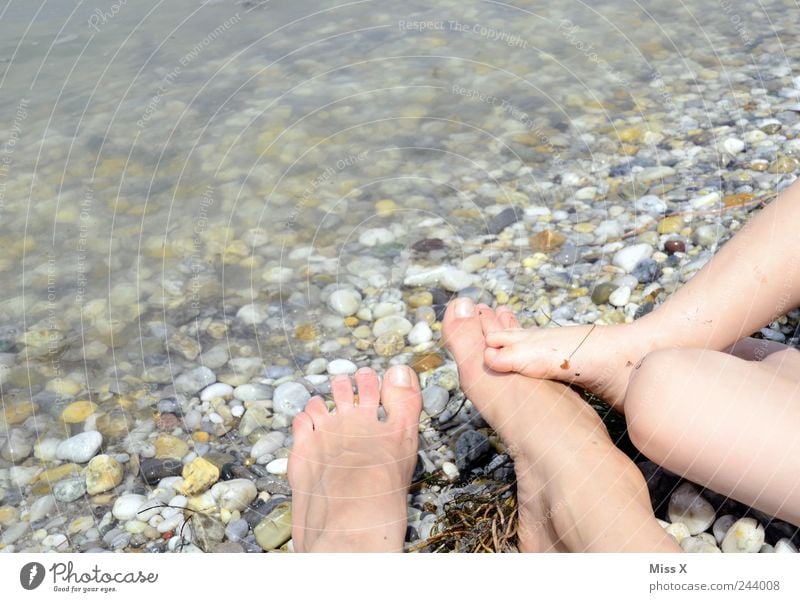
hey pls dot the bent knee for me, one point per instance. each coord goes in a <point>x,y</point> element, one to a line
<point>655,392</point>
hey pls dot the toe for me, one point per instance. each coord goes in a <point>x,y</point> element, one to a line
<point>368,388</point>
<point>489,320</point>
<point>505,338</point>
<point>499,360</point>
<point>400,395</point>
<point>463,335</point>
<point>316,410</point>
<point>507,318</point>
<point>342,389</point>
<point>302,427</point>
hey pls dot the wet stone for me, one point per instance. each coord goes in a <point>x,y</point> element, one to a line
<point>674,246</point>
<point>69,490</point>
<point>471,446</point>
<point>428,244</point>
<point>646,271</point>
<point>602,292</point>
<point>503,220</point>
<point>153,470</point>
<point>272,485</point>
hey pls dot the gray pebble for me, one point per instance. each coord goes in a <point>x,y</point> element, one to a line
<point>503,220</point>
<point>237,530</point>
<point>470,447</point>
<point>646,271</point>
<point>434,399</point>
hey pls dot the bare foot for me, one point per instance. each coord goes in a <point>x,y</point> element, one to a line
<point>349,471</point>
<point>576,490</point>
<point>599,358</point>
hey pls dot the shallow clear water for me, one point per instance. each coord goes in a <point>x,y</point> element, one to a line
<point>143,141</point>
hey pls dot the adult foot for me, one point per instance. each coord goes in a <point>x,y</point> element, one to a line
<point>576,491</point>
<point>350,471</point>
<point>598,358</point>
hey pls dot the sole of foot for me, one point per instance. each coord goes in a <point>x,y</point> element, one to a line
<point>573,484</point>
<point>349,470</point>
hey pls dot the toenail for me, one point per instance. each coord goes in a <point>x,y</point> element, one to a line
<point>400,376</point>
<point>465,308</point>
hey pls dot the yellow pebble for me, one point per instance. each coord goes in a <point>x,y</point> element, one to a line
<point>200,436</point>
<point>51,475</point>
<point>8,515</point>
<point>670,225</point>
<point>14,414</point>
<point>198,475</point>
<point>78,411</point>
<point>385,207</point>
<point>351,321</point>
<point>584,227</point>
<point>64,386</point>
<point>502,297</point>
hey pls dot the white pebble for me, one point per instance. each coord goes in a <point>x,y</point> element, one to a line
<point>279,466</point>
<point>317,366</point>
<point>216,390</point>
<point>679,531</point>
<point>745,535</point>
<point>473,263</point>
<point>345,302</point>
<point>41,508</point>
<point>785,546</point>
<point>237,411</point>
<point>376,236</point>
<point>253,313</point>
<point>234,494</point>
<point>387,308</point>
<point>620,296</point>
<point>455,280</point>
<point>698,545</point>
<point>687,506</point>
<point>170,524</point>
<point>705,200</point>
<point>267,444</point>
<point>290,398</point>
<point>628,257</point>
<point>393,324</point>
<point>55,540</point>
<point>126,506</point>
<point>421,333</point>
<point>450,470</point>
<point>650,203</point>
<point>45,450</point>
<point>341,366</point>
<point>733,146</point>
<point>81,448</point>
<point>721,526</point>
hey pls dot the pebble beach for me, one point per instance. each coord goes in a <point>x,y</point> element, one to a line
<point>208,211</point>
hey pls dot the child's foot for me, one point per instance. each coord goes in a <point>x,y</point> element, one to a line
<point>598,358</point>
<point>349,471</point>
<point>576,490</point>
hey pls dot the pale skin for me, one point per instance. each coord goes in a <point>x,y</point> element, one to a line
<point>350,472</point>
<point>699,399</point>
